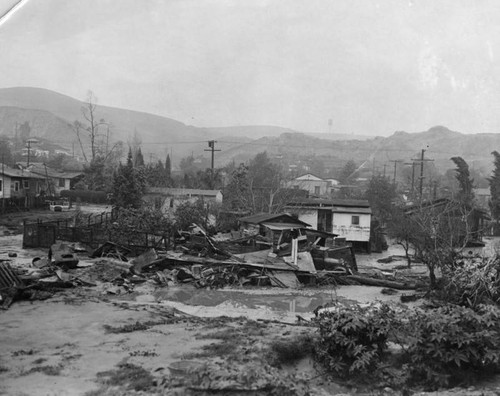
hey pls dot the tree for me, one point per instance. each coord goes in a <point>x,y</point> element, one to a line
<point>494,181</point>
<point>5,153</point>
<point>139,159</point>
<point>168,168</point>
<point>265,181</point>
<point>237,191</point>
<point>465,182</point>
<point>187,213</point>
<point>89,129</point>
<point>381,194</point>
<point>435,230</point>
<point>128,185</point>
<point>347,172</point>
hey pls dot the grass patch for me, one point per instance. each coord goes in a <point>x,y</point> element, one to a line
<point>128,375</point>
<point>290,350</point>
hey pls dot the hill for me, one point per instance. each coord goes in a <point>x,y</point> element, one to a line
<point>51,114</point>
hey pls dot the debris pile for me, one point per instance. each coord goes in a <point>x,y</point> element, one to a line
<point>277,260</point>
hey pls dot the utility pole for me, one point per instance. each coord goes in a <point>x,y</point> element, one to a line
<point>28,143</point>
<point>395,167</point>
<point>421,160</point>
<point>412,174</point>
<point>211,145</point>
<point>3,184</point>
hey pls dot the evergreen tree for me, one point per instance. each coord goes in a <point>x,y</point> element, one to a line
<point>465,182</point>
<point>495,188</point>
<point>128,185</point>
<point>381,194</point>
<point>347,172</point>
<point>168,169</point>
<point>139,159</point>
<point>237,192</point>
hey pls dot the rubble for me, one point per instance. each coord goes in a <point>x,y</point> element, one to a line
<point>286,257</point>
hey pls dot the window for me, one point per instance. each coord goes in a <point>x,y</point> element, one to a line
<point>1,186</point>
<point>316,190</point>
<point>15,186</point>
<point>355,220</point>
<point>61,182</point>
<point>26,184</point>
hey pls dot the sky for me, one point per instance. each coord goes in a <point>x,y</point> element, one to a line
<point>371,67</point>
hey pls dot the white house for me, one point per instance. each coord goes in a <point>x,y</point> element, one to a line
<point>169,198</point>
<point>313,184</point>
<point>348,218</point>
<point>17,183</point>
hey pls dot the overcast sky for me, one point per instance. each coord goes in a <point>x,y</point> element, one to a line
<point>373,67</point>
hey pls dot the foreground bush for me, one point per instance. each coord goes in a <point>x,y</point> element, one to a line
<point>353,340</point>
<point>432,348</point>
<point>452,345</point>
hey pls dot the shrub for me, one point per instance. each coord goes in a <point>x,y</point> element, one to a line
<point>353,340</point>
<point>451,345</point>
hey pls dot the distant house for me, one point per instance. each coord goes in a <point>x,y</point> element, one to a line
<point>470,223</point>
<point>168,199</point>
<point>17,183</point>
<point>348,218</point>
<point>313,184</point>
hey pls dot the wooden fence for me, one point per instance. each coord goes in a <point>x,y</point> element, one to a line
<point>93,232</point>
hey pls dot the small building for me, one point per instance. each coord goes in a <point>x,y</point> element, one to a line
<point>168,199</point>
<point>55,181</point>
<point>313,184</point>
<point>19,189</point>
<point>348,218</point>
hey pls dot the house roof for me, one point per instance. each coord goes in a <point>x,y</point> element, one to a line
<point>309,176</point>
<point>11,172</point>
<point>183,192</point>
<point>260,218</point>
<point>41,169</point>
<point>328,203</point>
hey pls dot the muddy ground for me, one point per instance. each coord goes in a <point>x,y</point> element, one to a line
<point>88,341</point>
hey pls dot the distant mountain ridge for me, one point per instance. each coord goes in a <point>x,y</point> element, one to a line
<point>51,114</point>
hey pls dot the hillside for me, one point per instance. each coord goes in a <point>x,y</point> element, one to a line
<point>51,114</point>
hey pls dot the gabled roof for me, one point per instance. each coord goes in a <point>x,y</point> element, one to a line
<point>260,218</point>
<point>11,172</point>
<point>41,169</point>
<point>309,176</point>
<point>183,192</point>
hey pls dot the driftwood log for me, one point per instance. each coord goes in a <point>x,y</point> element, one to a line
<point>364,280</point>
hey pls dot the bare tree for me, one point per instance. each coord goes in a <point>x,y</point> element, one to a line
<point>89,129</point>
